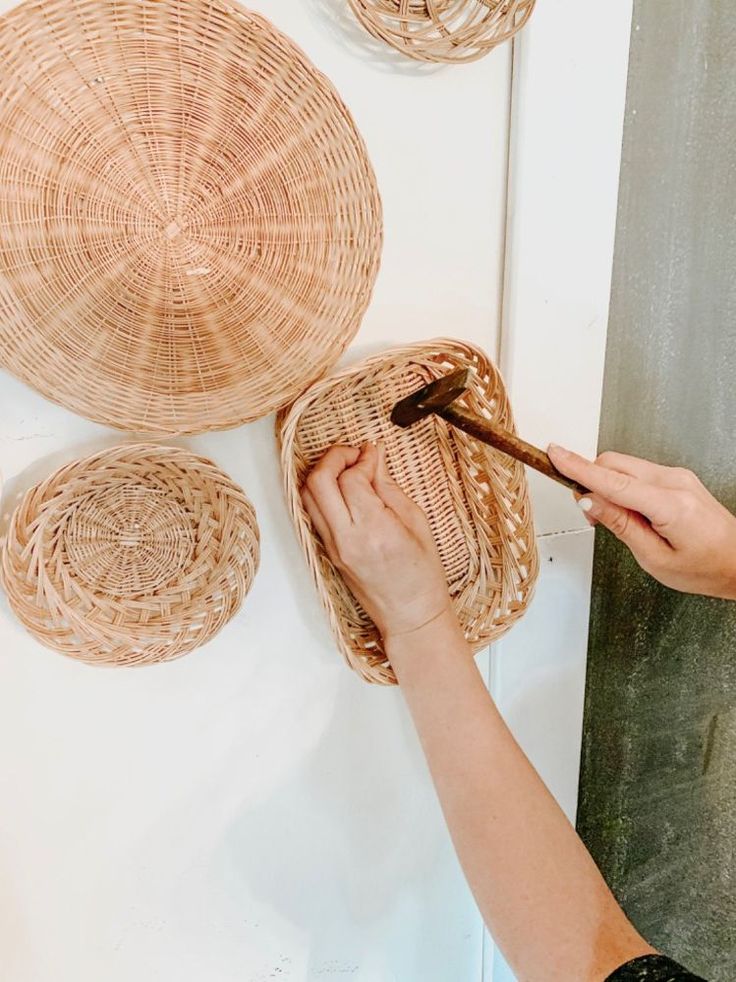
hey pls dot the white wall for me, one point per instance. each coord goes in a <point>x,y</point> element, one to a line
<point>253,811</point>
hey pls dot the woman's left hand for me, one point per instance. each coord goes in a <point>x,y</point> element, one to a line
<point>378,539</point>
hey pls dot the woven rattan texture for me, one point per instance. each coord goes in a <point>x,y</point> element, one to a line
<point>475,498</point>
<point>190,226</point>
<point>443,30</point>
<point>137,554</point>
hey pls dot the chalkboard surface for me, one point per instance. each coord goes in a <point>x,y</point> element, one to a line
<point>658,792</point>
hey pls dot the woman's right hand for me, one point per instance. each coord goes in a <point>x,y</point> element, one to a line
<point>675,528</point>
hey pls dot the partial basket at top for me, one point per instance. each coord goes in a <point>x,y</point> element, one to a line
<point>475,497</point>
<point>439,31</point>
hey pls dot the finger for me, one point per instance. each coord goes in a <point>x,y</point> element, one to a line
<point>368,461</point>
<point>318,521</point>
<point>356,486</point>
<point>323,486</point>
<point>634,531</point>
<point>392,495</point>
<point>619,488</point>
<point>646,470</point>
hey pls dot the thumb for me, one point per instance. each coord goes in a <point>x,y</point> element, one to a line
<point>367,462</point>
<point>628,526</point>
<point>386,488</point>
<point>389,491</point>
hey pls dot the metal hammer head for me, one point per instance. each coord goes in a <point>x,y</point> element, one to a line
<point>432,398</point>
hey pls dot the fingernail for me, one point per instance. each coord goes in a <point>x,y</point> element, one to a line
<point>555,448</point>
<point>586,505</point>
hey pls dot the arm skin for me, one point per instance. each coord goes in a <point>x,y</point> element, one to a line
<point>538,890</point>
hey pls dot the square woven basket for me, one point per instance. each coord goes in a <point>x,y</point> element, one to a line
<point>475,497</point>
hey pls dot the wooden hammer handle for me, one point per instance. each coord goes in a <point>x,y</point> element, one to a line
<point>509,444</point>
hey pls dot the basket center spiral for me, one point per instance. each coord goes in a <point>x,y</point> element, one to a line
<point>127,541</point>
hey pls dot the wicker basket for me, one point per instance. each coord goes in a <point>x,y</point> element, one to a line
<point>191,227</point>
<point>443,30</point>
<point>474,497</point>
<point>137,554</point>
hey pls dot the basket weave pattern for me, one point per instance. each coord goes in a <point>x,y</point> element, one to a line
<point>475,498</point>
<point>443,30</point>
<point>137,554</point>
<point>191,228</point>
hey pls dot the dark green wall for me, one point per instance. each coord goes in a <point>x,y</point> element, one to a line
<point>658,793</point>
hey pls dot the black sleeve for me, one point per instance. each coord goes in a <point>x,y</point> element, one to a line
<point>653,968</point>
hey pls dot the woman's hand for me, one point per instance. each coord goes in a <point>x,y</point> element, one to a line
<point>378,539</point>
<point>675,528</point>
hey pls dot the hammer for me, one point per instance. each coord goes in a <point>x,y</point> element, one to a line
<point>439,398</point>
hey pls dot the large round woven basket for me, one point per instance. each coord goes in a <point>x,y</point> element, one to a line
<point>191,227</point>
<point>137,554</point>
<point>475,497</point>
<point>443,30</point>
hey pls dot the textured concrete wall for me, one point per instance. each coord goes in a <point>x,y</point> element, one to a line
<point>658,795</point>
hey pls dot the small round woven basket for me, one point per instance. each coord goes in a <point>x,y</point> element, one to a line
<point>443,30</point>
<point>134,555</point>
<point>191,227</point>
<point>475,497</point>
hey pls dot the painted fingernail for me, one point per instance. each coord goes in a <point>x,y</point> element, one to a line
<point>586,505</point>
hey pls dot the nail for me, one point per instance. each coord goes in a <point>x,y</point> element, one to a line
<point>586,505</point>
<point>555,448</point>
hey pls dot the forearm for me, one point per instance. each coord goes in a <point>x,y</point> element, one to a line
<point>537,888</point>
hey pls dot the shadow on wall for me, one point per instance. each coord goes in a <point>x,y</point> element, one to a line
<point>324,860</point>
<point>342,811</point>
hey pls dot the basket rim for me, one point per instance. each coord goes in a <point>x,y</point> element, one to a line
<point>30,582</point>
<point>287,424</point>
